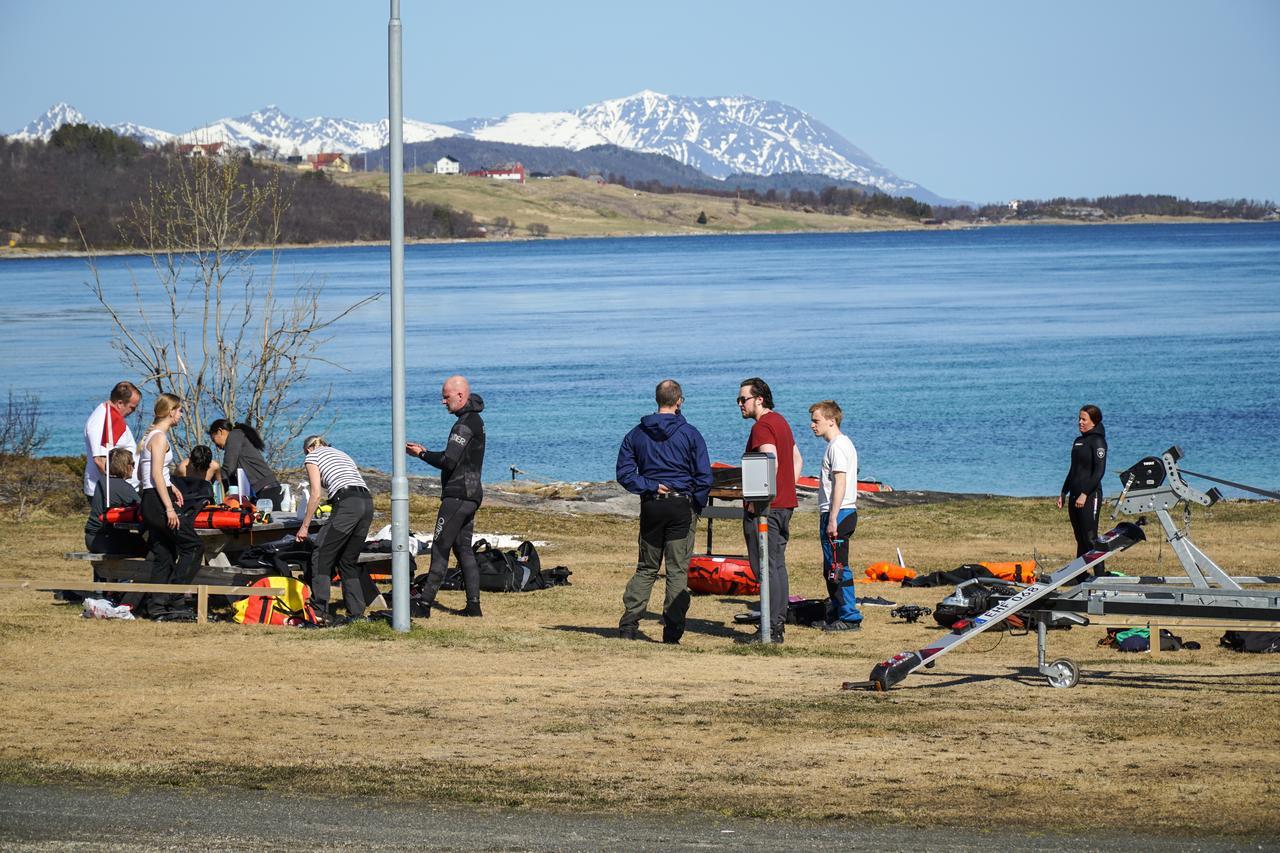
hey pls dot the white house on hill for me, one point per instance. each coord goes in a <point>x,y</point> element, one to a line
<point>446,165</point>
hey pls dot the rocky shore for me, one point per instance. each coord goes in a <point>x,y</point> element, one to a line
<point>587,498</point>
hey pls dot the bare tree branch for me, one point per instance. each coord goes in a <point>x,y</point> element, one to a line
<point>223,340</point>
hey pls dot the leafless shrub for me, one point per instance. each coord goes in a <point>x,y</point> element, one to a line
<point>226,340</point>
<point>20,432</point>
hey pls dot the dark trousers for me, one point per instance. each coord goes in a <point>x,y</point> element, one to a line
<point>341,541</point>
<point>666,534</point>
<point>452,535</point>
<point>779,533</point>
<point>1084,524</point>
<point>177,552</point>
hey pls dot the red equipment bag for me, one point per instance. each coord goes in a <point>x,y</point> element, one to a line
<point>127,514</point>
<point>711,575</point>
<point>217,517</point>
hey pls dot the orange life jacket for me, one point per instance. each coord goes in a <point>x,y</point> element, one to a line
<point>1018,572</point>
<point>889,572</point>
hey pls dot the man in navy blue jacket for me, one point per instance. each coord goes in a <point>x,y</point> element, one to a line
<point>664,461</point>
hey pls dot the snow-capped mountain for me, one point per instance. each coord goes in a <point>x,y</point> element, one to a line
<point>59,114</point>
<point>146,135</point>
<point>274,129</point>
<point>719,136</point>
<point>724,136</point>
<point>44,126</point>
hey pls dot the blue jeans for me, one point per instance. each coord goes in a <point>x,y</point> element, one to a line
<point>843,604</point>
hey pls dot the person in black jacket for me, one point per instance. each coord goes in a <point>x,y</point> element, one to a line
<point>460,465</point>
<point>1082,489</point>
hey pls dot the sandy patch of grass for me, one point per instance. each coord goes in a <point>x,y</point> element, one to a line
<point>538,706</point>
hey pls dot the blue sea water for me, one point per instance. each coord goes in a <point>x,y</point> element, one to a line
<point>960,357</point>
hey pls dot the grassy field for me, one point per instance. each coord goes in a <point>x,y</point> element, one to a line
<point>574,207</point>
<point>538,706</point>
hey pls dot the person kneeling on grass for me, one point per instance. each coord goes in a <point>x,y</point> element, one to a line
<point>837,515</point>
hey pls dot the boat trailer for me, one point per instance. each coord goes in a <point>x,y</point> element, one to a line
<point>1212,599</point>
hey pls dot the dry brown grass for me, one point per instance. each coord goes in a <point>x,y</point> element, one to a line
<point>537,706</point>
<point>574,207</point>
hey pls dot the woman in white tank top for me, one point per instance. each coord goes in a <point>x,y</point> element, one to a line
<point>174,542</point>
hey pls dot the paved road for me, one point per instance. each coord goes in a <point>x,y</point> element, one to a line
<point>179,819</point>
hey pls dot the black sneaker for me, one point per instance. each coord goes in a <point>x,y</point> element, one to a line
<point>472,609</point>
<point>840,625</point>
<point>670,637</point>
<point>628,632</point>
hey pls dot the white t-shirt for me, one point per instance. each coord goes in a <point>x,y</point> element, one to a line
<point>840,456</point>
<point>93,446</point>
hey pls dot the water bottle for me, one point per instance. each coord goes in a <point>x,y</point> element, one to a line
<point>286,499</point>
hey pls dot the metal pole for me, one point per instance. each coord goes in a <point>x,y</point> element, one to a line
<point>399,482</point>
<point>762,531</point>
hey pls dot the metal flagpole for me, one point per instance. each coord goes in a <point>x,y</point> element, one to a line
<point>399,482</point>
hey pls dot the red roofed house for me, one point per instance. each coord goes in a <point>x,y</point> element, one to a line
<point>512,172</point>
<point>210,149</point>
<point>326,163</point>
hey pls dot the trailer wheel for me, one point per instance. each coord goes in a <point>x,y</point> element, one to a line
<point>1063,673</point>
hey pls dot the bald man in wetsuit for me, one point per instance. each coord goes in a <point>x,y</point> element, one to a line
<point>460,463</point>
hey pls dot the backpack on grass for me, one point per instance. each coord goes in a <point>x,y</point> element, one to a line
<point>291,607</point>
<point>508,571</point>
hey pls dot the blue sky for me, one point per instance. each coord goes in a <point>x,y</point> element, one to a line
<point>983,101</point>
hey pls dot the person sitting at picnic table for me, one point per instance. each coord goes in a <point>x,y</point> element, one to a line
<point>101,537</point>
<point>205,466</point>
<point>194,478</point>
<point>242,448</point>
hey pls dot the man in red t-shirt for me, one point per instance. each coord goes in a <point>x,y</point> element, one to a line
<point>771,434</point>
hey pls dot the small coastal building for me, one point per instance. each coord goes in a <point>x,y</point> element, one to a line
<point>446,165</point>
<point>507,172</point>
<point>331,162</point>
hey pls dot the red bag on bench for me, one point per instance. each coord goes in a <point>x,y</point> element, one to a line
<point>128,514</point>
<point>224,518</point>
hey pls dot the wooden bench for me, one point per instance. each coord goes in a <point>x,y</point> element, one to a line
<point>130,566</point>
<point>202,591</point>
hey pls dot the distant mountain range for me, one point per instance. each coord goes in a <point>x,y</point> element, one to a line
<point>719,137</point>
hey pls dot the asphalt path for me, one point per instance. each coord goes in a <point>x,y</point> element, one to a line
<point>47,818</point>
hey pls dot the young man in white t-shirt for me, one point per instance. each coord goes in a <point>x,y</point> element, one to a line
<point>838,514</point>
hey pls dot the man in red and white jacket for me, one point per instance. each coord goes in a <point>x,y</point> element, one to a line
<point>107,429</point>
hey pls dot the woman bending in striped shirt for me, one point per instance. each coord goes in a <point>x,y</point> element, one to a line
<point>341,540</point>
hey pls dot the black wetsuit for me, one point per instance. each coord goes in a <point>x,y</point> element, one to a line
<point>1088,464</point>
<point>460,464</point>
